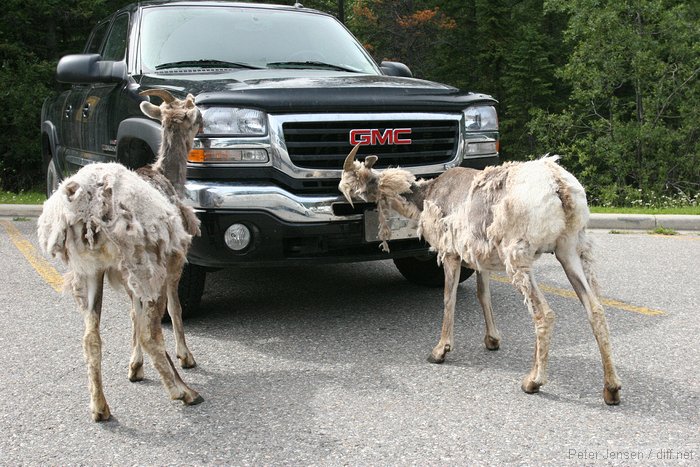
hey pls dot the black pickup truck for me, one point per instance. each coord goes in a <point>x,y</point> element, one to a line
<point>286,92</point>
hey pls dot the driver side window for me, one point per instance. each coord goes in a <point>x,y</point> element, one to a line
<point>115,46</point>
<point>98,35</point>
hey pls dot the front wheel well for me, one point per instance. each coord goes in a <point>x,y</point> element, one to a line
<point>134,153</point>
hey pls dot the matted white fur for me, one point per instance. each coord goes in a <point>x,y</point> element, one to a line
<point>107,217</point>
<point>107,221</point>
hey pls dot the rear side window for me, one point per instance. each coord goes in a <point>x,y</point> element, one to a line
<point>98,35</point>
<point>115,46</point>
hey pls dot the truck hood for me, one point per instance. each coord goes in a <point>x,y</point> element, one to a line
<point>283,91</point>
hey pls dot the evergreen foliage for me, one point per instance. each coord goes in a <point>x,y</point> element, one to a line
<point>33,36</point>
<point>612,85</point>
<point>631,120</point>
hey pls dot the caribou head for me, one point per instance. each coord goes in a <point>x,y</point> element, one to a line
<point>173,111</point>
<point>359,181</point>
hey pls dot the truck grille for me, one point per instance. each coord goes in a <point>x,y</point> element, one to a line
<point>324,145</point>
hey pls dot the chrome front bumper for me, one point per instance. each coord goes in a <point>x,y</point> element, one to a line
<point>288,207</point>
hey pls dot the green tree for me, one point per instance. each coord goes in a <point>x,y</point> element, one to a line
<point>33,35</point>
<point>612,85</point>
<point>507,48</point>
<point>631,121</point>
<point>415,32</point>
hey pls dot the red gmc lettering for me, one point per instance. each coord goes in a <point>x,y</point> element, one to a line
<point>375,136</point>
<point>402,131</point>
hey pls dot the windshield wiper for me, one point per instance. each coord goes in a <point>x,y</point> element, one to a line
<point>206,64</point>
<point>311,64</point>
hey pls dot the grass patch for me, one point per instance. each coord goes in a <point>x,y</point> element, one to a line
<point>644,210</point>
<point>23,197</point>
<point>661,230</point>
<point>620,232</point>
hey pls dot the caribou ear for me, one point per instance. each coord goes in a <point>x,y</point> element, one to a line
<point>370,161</point>
<point>189,101</point>
<point>150,110</point>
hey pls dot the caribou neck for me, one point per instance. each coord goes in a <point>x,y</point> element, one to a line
<point>407,198</point>
<point>172,160</point>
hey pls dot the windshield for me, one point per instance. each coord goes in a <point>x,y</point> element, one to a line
<point>238,37</point>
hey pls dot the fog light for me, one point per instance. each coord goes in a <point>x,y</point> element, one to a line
<point>237,237</point>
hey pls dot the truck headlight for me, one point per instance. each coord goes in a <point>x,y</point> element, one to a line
<point>231,121</point>
<point>481,118</point>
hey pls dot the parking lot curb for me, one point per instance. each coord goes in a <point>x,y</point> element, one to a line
<point>20,210</point>
<point>597,221</point>
<point>644,222</point>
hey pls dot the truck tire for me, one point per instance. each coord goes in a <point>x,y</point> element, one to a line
<point>425,271</point>
<point>52,178</point>
<point>191,288</point>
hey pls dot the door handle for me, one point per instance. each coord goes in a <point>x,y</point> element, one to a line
<point>86,110</point>
<point>68,111</point>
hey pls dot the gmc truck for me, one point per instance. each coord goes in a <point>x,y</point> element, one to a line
<point>285,92</point>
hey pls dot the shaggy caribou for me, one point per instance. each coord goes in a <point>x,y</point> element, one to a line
<point>180,122</point>
<point>504,217</point>
<point>134,229</point>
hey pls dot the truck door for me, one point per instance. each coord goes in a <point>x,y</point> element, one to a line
<point>71,127</point>
<point>99,112</point>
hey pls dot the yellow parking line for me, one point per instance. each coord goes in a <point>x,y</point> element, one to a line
<point>40,265</point>
<point>606,301</point>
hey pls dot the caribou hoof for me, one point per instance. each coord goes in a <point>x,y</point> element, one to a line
<point>198,400</point>
<point>529,386</point>
<point>102,414</point>
<point>611,396</point>
<point>187,361</point>
<point>136,372</point>
<point>492,343</point>
<point>192,398</point>
<point>438,354</point>
<point>432,359</point>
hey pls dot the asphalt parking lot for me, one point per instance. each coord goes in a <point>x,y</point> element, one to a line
<point>326,365</point>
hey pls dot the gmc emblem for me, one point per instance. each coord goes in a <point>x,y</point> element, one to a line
<point>375,136</point>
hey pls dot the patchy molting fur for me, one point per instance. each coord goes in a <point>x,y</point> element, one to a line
<point>504,217</point>
<point>159,181</point>
<point>107,217</point>
<point>180,120</point>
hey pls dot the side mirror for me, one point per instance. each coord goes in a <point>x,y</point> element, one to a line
<point>395,69</point>
<point>90,68</point>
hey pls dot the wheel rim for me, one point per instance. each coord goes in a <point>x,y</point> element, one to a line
<point>51,179</point>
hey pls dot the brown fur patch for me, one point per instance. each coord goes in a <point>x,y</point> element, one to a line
<point>564,193</point>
